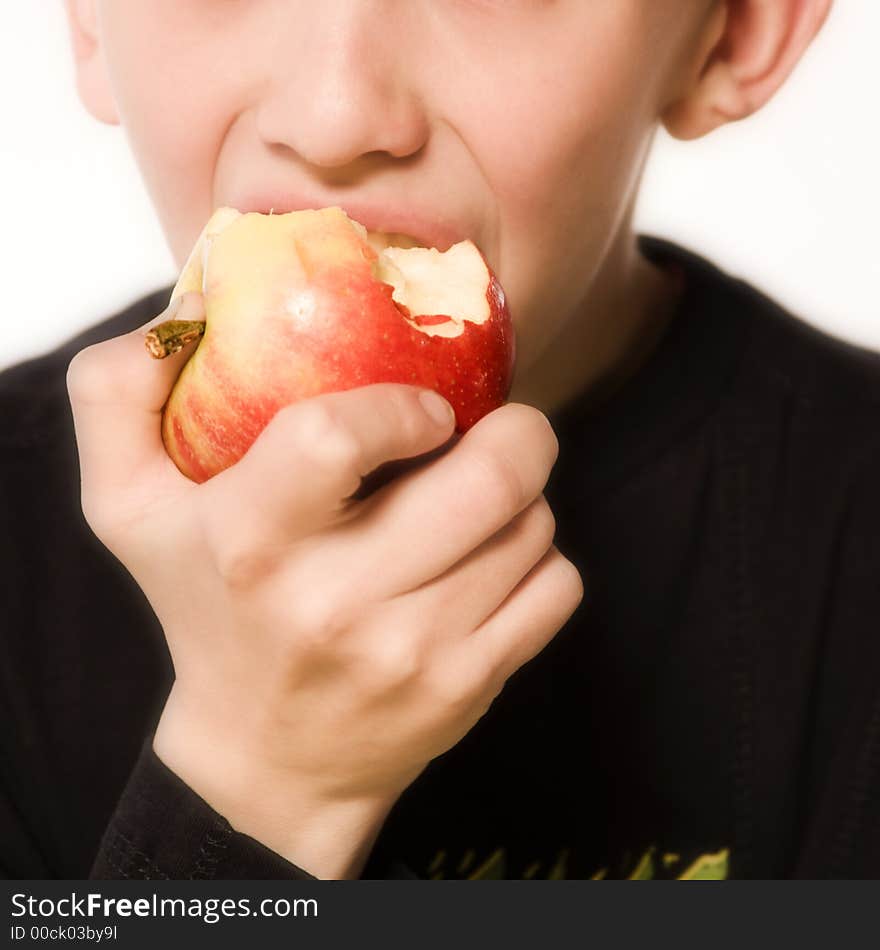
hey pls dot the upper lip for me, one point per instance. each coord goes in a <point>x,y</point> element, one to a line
<point>427,228</point>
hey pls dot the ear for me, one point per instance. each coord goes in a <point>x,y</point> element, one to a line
<point>92,79</point>
<point>747,50</point>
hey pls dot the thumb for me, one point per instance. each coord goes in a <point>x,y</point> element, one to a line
<point>117,392</point>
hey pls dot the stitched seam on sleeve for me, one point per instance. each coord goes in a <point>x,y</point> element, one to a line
<point>211,850</point>
<point>115,865</point>
<point>126,850</point>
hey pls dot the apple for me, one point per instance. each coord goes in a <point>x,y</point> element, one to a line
<point>310,302</point>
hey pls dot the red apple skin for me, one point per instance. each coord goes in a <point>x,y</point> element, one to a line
<point>355,335</point>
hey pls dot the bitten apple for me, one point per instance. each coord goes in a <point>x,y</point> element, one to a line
<point>309,302</point>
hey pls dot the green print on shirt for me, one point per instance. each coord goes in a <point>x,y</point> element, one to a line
<point>712,866</point>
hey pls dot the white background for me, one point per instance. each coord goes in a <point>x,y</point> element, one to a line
<point>789,199</point>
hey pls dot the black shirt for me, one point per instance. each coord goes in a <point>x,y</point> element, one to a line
<point>712,709</point>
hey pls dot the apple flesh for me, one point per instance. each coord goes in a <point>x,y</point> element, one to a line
<point>309,302</point>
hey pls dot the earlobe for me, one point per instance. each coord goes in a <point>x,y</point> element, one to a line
<point>92,78</point>
<point>760,43</point>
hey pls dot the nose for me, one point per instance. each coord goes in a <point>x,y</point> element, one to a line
<point>341,85</point>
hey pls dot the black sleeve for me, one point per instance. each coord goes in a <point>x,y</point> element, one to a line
<point>162,829</point>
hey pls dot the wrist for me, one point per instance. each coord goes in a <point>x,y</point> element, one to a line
<point>330,838</point>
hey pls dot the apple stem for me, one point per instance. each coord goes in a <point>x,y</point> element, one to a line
<point>171,336</point>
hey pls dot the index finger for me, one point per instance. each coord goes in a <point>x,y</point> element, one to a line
<point>117,393</point>
<point>302,470</point>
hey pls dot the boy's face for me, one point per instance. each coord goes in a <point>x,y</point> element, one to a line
<point>522,124</point>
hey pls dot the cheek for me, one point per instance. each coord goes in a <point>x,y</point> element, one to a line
<point>562,150</point>
<point>176,99</point>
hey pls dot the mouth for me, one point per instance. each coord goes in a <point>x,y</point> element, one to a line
<point>388,224</point>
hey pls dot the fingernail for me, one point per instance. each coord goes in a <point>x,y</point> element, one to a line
<point>436,407</point>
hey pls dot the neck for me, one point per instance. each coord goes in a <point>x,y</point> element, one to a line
<point>606,341</point>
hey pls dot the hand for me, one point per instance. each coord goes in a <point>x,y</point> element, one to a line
<point>325,648</point>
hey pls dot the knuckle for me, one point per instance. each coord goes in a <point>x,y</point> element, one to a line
<point>497,482</point>
<point>542,524</point>
<point>398,660</point>
<point>470,683</point>
<point>451,690</point>
<point>320,433</point>
<point>568,583</point>
<point>315,634</point>
<point>85,381</point>
<point>406,416</point>
<point>318,619</point>
<point>242,566</point>
<point>491,685</point>
<point>538,427</point>
<point>545,433</point>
